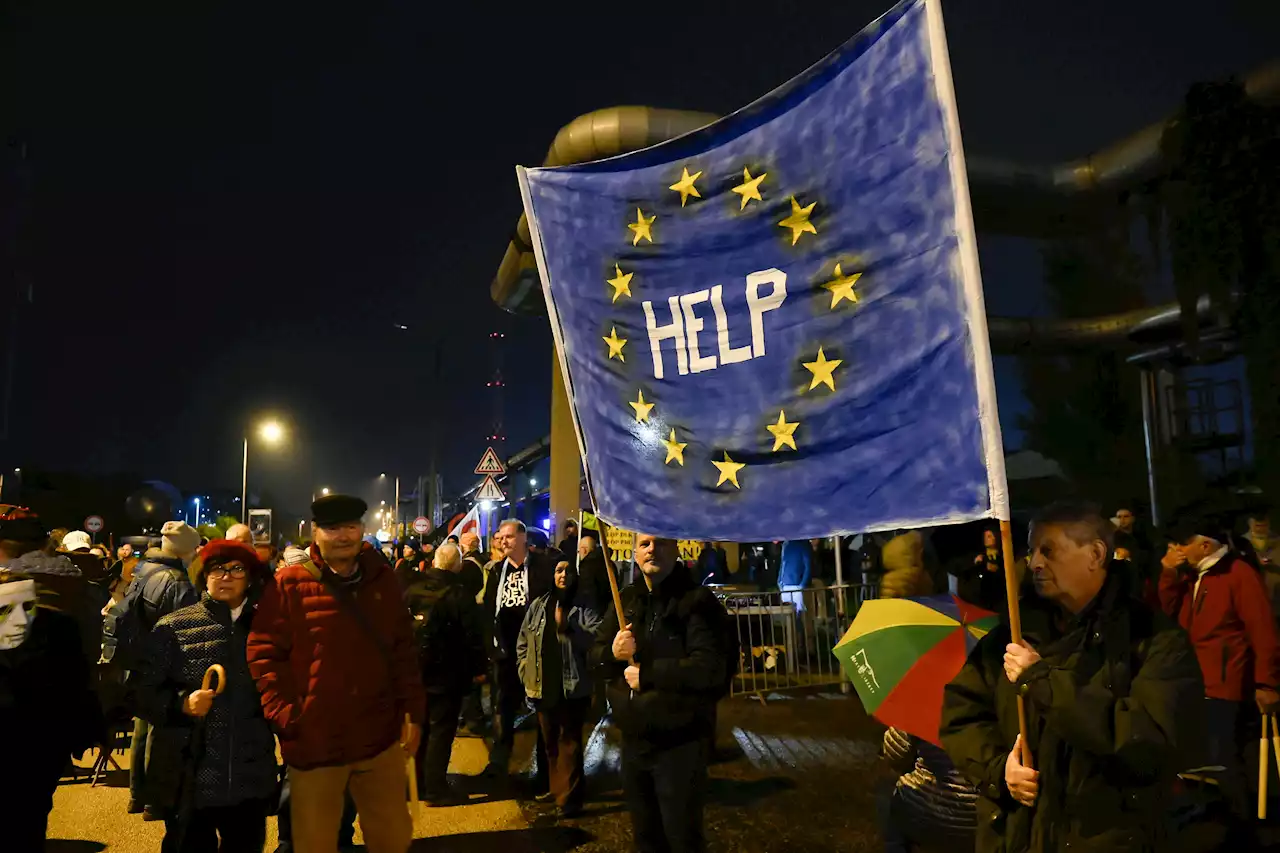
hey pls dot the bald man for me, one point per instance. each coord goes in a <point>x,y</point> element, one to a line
<point>240,533</point>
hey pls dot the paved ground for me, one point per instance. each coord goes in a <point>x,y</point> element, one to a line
<point>798,773</point>
<point>87,819</point>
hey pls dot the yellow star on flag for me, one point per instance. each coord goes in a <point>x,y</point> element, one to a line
<point>841,286</point>
<point>615,344</point>
<point>729,470</point>
<point>822,370</point>
<point>798,221</point>
<point>642,408</point>
<point>640,228</point>
<point>749,188</point>
<point>685,187</point>
<point>621,283</point>
<point>784,434</point>
<point>675,449</point>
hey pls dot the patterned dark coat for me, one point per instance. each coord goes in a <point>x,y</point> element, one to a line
<point>238,761</point>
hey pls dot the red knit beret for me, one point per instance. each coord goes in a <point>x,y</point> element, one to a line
<point>224,551</point>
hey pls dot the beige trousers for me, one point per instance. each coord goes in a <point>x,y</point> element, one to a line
<point>378,788</point>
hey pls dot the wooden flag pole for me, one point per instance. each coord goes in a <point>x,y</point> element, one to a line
<point>1015,628</point>
<point>611,572</point>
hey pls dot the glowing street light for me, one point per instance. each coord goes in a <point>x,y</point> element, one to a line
<point>270,432</point>
<point>324,491</point>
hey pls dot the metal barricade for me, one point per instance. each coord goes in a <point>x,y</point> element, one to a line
<point>785,639</point>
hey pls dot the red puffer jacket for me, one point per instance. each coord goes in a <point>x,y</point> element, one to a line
<point>332,696</point>
<point>1230,625</point>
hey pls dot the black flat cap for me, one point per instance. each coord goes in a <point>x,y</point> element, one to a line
<point>337,509</point>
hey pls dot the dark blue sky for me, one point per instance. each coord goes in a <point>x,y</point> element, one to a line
<point>233,205</point>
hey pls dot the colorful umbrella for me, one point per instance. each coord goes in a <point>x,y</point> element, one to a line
<point>900,652</point>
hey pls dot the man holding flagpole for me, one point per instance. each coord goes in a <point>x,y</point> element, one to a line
<point>772,328</point>
<point>665,666</point>
<point>1112,690</point>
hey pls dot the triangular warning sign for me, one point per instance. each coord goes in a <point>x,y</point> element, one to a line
<point>490,490</point>
<point>490,464</point>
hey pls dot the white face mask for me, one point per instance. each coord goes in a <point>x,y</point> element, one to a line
<point>17,612</point>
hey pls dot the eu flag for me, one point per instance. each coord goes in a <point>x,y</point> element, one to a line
<point>772,328</point>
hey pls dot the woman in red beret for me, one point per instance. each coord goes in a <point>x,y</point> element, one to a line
<point>218,784</point>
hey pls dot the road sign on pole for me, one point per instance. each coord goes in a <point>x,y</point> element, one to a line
<point>490,490</point>
<point>422,525</point>
<point>490,464</point>
<point>93,524</point>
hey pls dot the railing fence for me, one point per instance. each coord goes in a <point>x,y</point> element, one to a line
<point>786,638</point>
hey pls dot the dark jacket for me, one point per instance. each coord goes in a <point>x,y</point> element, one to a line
<point>593,579</point>
<point>472,574</point>
<point>575,646</point>
<point>238,759</point>
<point>408,570</point>
<point>503,629</point>
<point>47,705</point>
<point>447,630</point>
<point>334,694</point>
<point>712,566</point>
<point>1113,707</point>
<point>1230,624</point>
<point>981,580</point>
<point>63,587</point>
<point>165,587</point>
<point>797,563</point>
<point>569,548</point>
<point>681,660</point>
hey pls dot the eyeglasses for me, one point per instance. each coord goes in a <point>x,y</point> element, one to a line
<point>230,570</point>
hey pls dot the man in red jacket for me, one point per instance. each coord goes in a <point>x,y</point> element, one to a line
<point>333,655</point>
<point>1222,604</point>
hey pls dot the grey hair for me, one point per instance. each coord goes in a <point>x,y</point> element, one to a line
<point>1082,521</point>
<point>448,556</point>
<point>513,522</point>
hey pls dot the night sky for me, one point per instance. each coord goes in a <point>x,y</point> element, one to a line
<point>234,205</point>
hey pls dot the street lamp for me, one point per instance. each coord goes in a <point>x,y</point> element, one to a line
<point>272,433</point>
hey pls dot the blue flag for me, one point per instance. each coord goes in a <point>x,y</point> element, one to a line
<point>772,328</point>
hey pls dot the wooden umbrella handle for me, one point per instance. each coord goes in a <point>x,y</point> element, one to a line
<point>217,670</point>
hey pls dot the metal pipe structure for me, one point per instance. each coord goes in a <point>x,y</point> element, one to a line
<point>1121,164</point>
<point>998,188</point>
<point>1148,381</point>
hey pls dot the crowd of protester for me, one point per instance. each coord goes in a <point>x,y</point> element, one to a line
<point>1137,664</point>
<point>214,655</point>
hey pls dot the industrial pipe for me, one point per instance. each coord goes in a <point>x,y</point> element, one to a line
<point>617,130</point>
